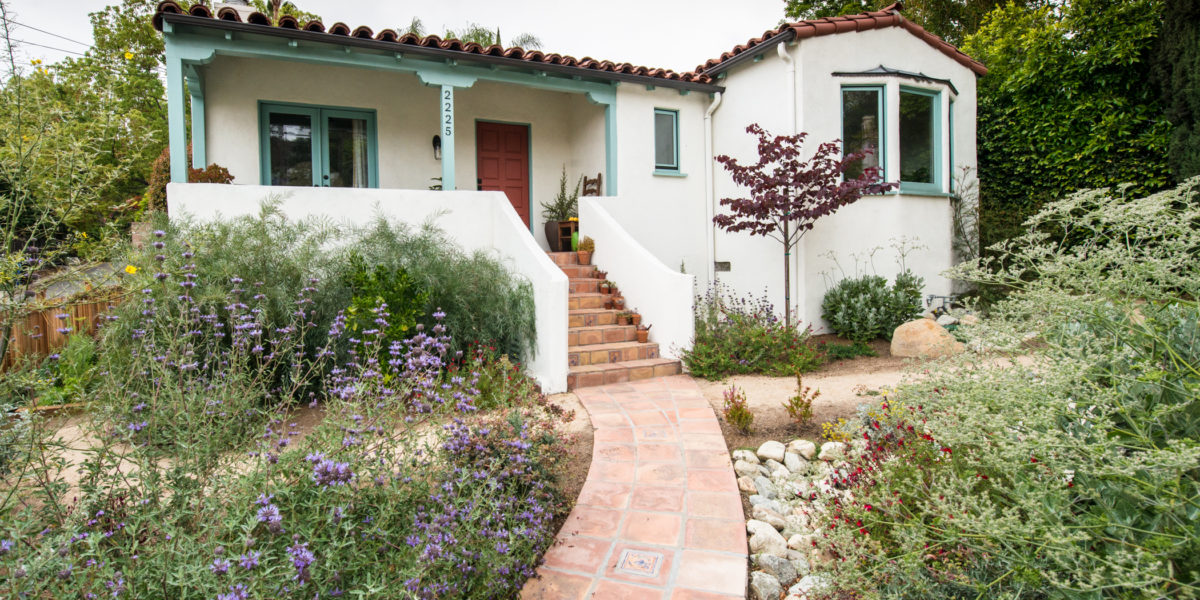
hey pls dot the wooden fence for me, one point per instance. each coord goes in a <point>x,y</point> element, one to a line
<point>40,332</point>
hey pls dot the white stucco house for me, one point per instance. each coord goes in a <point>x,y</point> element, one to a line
<point>351,123</point>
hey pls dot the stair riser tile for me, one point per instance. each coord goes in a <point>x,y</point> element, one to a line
<point>593,320</point>
<point>586,286</point>
<point>601,357</point>
<point>579,271</point>
<point>578,302</point>
<point>564,258</point>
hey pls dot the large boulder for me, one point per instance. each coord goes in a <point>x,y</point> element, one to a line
<point>804,448</point>
<point>924,338</point>
<point>771,450</point>
<point>831,451</point>
<point>765,539</point>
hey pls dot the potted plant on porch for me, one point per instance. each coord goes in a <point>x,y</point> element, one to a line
<point>586,247</point>
<point>562,215</point>
<point>643,333</point>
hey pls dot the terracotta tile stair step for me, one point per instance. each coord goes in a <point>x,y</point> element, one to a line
<point>591,317</point>
<point>593,375</point>
<point>585,285</point>
<point>564,258</point>
<point>583,300</point>
<point>579,271</point>
<point>601,334</point>
<point>610,353</point>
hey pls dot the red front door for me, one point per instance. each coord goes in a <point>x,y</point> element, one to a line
<point>503,162</point>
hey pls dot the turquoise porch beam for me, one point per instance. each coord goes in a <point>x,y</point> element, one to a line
<point>176,122</point>
<point>195,87</point>
<point>610,149</point>
<point>447,122</point>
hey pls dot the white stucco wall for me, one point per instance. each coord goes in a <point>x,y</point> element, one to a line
<point>758,92</point>
<point>565,129</point>
<point>474,220</point>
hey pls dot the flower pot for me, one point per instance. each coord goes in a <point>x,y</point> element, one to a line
<point>608,304</point>
<point>643,335</point>
<point>624,320</point>
<point>554,236</point>
<point>605,290</point>
<point>636,319</point>
<point>601,274</point>
<point>585,257</point>
<point>618,302</point>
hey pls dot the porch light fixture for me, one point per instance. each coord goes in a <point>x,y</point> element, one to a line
<point>437,147</point>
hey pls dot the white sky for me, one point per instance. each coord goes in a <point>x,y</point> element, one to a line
<point>675,34</point>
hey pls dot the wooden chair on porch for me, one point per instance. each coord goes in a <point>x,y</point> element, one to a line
<point>592,187</point>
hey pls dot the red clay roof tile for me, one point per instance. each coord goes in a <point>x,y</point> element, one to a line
<point>432,41</point>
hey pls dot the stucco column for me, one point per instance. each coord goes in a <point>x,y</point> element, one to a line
<point>199,150</point>
<point>610,148</point>
<point>176,121</point>
<point>446,119</point>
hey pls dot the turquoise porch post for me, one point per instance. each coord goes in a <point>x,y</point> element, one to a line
<point>176,122</point>
<point>199,139</point>
<point>447,127</point>
<point>610,147</point>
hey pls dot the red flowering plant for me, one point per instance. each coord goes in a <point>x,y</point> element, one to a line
<point>789,193</point>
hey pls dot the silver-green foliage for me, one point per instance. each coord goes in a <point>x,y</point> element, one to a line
<point>867,308</point>
<point>1071,471</point>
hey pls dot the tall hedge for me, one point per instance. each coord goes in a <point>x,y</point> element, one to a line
<point>1066,105</point>
<point>1177,70</point>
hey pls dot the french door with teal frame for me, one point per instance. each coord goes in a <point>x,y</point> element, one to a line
<point>321,146</point>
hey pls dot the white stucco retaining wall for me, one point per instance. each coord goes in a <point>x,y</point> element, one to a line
<point>662,295</point>
<point>474,220</point>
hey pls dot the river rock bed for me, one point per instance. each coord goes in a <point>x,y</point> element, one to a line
<point>779,482</point>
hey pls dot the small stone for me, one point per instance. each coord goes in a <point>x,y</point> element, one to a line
<point>780,475</point>
<point>831,451</point>
<point>804,448</point>
<point>796,523</point>
<point>773,465</point>
<point>757,499</point>
<point>745,469</point>
<point>780,568</point>
<point>764,586</point>
<point>771,450</point>
<point>946,320</point>
<point>794,463</point>
<point>800,564</point>
<point>793,597</point>
<point>807,584</point>
<point>765,487</point>
<point>925,339</point>
<point>801,542</point>
<point>769,517</point>
<point>765,539</point>
<point>746,485</point>
<point>746,455</point>
<point>968,320</point>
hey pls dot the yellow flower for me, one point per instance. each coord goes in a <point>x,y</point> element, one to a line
<point>83,234</point>
<point>573,219</point>
<point>128,55</point>
<point>36,61</point>
<point>130,269</point>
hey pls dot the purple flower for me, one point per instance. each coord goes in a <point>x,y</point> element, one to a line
<point>328,472</point>
<point>219,566</point>
<point>158,233</point>
<point>249,560</point>
<point>5,547</point>
<point>236,592</point>
<point>302,557</point>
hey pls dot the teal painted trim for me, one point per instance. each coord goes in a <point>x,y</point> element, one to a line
<point>446,124</point>
<point>908,191</point>
<point>201,49</point>
<point>880,95</point>
<point>529,151</point>
<point>938,151</point>
<point>674,114</point>
<point>320,116</point>
<point>664,173</point>
<point>199,136</point>
<point>950,142</point>
<point>176,118</point>
<point>610,149</point>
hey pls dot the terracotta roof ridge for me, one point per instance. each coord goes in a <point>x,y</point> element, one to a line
<point>166,7</point>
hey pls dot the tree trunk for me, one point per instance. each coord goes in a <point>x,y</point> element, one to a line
<point>787,277</point>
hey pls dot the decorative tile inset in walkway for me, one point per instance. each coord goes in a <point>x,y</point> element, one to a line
<point>659,517</point>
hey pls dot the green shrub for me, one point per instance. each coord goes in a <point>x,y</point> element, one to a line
<point>73,369</point>
<point>1070,474</point>
<point>737,336</point>
<point>867,308</point>
<point>799,406</point>
<point>846,351</point>
<point>502,383</point>
<point>393,287</point>
<point>737,414</point>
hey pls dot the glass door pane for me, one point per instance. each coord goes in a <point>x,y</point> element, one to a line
<point>291,149</point>
<point>346,152</point>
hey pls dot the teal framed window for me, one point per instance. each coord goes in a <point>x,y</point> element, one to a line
<point>322,146</point>
<point>863,127</point>
<point>921,160</point>
<point>666,141</point>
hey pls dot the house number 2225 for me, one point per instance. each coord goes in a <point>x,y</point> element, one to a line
<point>447,112</point>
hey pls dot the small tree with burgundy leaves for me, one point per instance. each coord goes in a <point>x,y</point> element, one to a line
<point>788,195</point>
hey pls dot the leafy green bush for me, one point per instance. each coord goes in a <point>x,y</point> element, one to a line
<point>501,382</point>
<point>393,287</point>
<point>737,336</point>
<point>799,406</point>
<point>845,351</point>
<point>867,308</point>
<point>1070,474</point>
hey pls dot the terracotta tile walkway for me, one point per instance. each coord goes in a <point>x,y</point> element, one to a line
<point>659,517</point>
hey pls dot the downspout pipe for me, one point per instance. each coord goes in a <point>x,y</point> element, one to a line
<point>710,187</point>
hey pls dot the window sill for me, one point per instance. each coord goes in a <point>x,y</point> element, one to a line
<point>921,190</point>
<point>665,173</point>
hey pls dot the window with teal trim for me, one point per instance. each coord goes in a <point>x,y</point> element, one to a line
<point>318,146</point>
<point>920,141</point>
<point>666,140</point>
<point>862,127</point>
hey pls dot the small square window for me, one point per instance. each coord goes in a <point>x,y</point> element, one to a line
<point>666,140</point>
